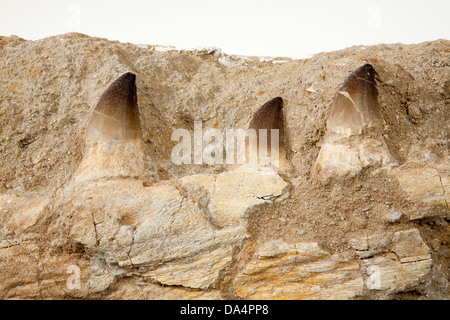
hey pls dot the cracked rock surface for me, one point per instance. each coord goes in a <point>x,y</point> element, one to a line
<point>373,231</point>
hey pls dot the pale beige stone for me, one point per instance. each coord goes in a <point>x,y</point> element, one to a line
<point>338,159</point>
<point>199,272</point>
<point>393,262</point>
<point>140,290</point>
<point>409,243</point>
<point>342,156</point>
<point>23,213</point>
<point>20,271</point>
<point>371,245</point>
<point>391,275</point>
<point>279,270</point>
<point>233,194</point>
<point>165,229</point>
<point>183,233</point>
<point>424,185</point>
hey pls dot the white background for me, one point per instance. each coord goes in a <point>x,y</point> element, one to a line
<point>287,28</point>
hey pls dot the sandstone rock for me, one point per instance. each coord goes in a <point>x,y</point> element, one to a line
<point>86,214</point>
<point>20,272</point>
<point>426,186</point>
<point>170,235</point>
<point>371,245</point>
<point>409,246</point>
<point>392,215</point>
<point>150,291</point>
<point>387,273</point>
<point>279,270</point>
<point>233,194</point>
<point>26,214</point>
<point>393,261</point>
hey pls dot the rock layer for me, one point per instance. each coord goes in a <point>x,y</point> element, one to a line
<point>112,217</point>
<point>279,270</point>
<point>181,233</point>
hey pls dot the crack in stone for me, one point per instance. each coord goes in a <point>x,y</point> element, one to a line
<point>363,79</point>
<point>104,115</point>
<point>347,95</point>
<point>169,231</point>
<point>129,251</point>
<point>95,229</point>
<point>443,191</point>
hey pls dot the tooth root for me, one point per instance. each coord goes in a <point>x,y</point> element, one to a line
<point>269,116</point>
<point>116,116</point>
<point>356,104</point>
<point>113,135</point>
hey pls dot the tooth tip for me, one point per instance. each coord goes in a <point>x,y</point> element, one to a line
<point>277,100</point>
<point>128,78</point>
<point>366,67</point>
<point>123,88</point>
<point>275,103</point>
<point>116,116</point>
<point>269,115</point>
<point>366,72</point>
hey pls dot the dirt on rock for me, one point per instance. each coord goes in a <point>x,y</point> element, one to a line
<point>49,88</point>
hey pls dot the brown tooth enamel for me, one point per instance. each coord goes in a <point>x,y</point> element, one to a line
<point>356,104</point>
<point>116,116</point>
<point>354,139</point>
<point>113,135</point>
<point>270,116</point>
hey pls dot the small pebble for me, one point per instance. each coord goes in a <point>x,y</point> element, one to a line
<point>393,216</point>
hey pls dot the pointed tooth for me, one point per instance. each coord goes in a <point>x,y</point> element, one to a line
<point>270,116</point>
<point>355,108</point>
<point>356,103</point>
<point>116,116</point>
<point>113,143</point>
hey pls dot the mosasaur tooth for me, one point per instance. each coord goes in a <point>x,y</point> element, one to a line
<point>116,116</point>
<point>354,137</point>
<point>113,135</point>
<point>268,124</point>
<point>356,103</point>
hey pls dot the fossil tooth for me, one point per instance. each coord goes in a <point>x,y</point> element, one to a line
<point>116,116</point>
<point>349,146</point>
<point>269,117</point>
<point>356,104</point>
<point>113,135</point>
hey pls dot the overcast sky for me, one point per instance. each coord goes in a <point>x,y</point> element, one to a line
<point>289,28</point>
